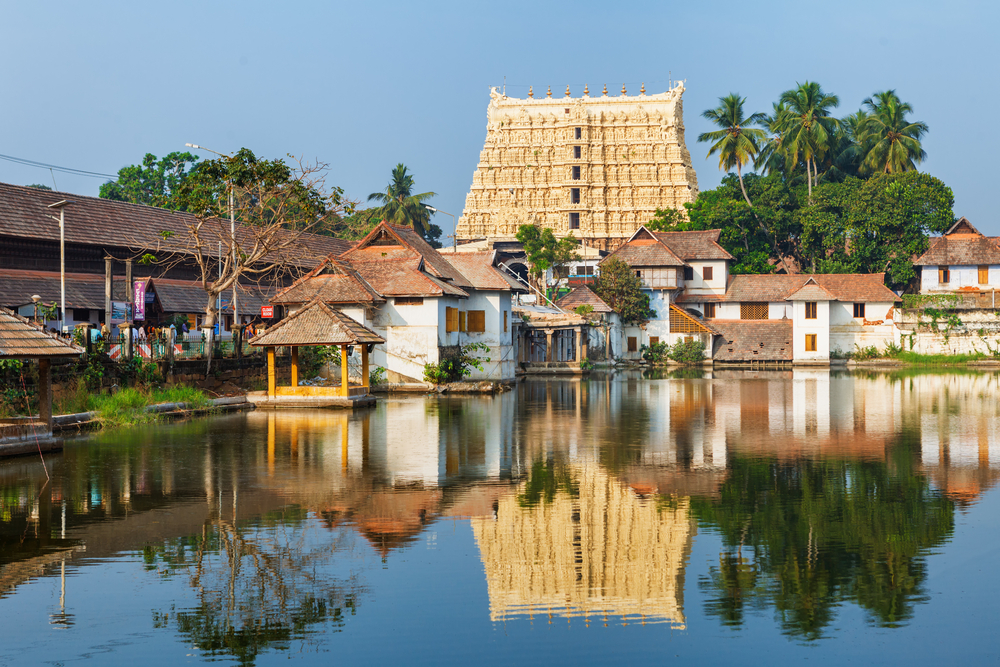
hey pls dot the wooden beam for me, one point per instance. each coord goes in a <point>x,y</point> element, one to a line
<point>270,372</point>
<point>364,365</point>
<point>345,389</point>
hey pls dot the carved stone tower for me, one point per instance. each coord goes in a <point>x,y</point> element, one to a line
<point>596,167</point>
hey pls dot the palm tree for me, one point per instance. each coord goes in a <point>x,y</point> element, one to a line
<point>893,143</point>
<point>807,126</point>
<point>400,206</point>
<point>772,158</point>
<point>736,143</point>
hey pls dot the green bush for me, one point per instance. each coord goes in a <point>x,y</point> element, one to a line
<point>865,353</point>
<point>376,376</point>
<point>657,353</point>
<point>688,352</point>
<point>455,368</point>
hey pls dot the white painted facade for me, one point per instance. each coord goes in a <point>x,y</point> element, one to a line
<point>803,327</point>
<point>959,277</point>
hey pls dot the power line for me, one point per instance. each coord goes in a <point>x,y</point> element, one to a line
<point>66,170</point>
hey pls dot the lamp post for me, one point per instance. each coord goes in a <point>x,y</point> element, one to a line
<point>232,238</point>
<point>61,205</point>
<point>35,299</point>
<point>454,236</point>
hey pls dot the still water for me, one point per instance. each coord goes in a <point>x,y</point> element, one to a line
<point>755,517</point>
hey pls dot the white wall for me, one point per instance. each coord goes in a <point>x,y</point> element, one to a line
<point>801,327</point>
<point>960,276</point>
<point>698,285</point>
<point>502,360</point>
<point>846,331</point>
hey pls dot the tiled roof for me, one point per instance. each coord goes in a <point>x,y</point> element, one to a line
<point>478,269</point>
<point>683,322</point>
<point>392,240</point>
<point>20,339</point>
<point>695,245</point>
<point>24,213</point>
<point>811,291</point>
<point>777,287</point>
<point>317,324</point>
<point>960,249</point>
<point>333,281</point>
<point>188,296</point>
<point>583,296</point>
<point>403,277</point>
<point>646,252</point>
<point>83,290</point>
<point>753,340</point>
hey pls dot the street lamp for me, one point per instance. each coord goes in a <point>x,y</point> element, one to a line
<point>454,236</point>
<point>61,205</point>
<point>35,299</point>
<point>232,234</point>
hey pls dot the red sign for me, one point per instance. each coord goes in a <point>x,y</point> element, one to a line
<point>267,312</point>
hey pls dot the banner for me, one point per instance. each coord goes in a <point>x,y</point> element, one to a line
<point>119,312</point>
<point>139,300</point>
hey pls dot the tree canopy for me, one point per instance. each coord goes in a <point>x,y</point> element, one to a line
<point>621,289</point>
<point>400,206</point>
<point>543,250</point>
<point>154,182</point>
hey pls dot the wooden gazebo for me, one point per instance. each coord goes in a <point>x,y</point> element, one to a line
<point>316,324</point>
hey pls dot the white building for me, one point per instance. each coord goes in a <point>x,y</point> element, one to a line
<point>961,259</point>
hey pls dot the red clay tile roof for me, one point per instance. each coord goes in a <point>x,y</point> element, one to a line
<point>811,291</point>
<point>960,249</point>
<point>403,277</point>
<point>83,290</point>
<point>695,245</point>
<point>95,221</point>
<point>20,339</point>
<point>583,296</point>
<point>644,249</point>
<point>478,269</point>
<point>777,287</point>
<point>392,240</point>
<point>317,324</point>
<point>753,340</point>
<point>333,281</point>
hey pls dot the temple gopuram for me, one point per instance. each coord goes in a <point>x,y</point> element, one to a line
<point>596,167</point>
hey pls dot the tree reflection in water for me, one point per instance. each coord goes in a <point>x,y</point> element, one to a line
<point>807,535</point>
<point>261,584</point>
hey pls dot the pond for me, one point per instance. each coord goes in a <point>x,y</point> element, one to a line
<point>758,517</point>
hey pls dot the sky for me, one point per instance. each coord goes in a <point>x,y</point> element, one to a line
<point>363,86</point>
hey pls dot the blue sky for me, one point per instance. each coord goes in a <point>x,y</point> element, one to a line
<point>364,86</point>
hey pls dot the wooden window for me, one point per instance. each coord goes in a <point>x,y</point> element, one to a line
<point>709,311</point>
<point>477,321</point>
<point>578,134</point>
<point>461,321</point>
<point>654,340</point>
<point>984,275</point>
<point>576,173</point>
<point>944,275</point>
<point>505,321</point>
<point>577,152</point>
<point>688,273</point>
<point>859,310</point>
<point>810,310</point>
<point>753,310</point>
<point>450,319</point>
<point>810,342</point>
<point>574,196</point>
<point>409,301</point>
<point>706,273</point>
<point>632,346</point>
<point>574,220</point>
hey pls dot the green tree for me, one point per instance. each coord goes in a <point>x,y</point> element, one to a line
<point>544,251</point>
<point>807,125</point>
<point>154,182</point>
<point>666,220</point>
<point>621,289</point>
<point>736,143</point>
<point>400,206</point>
<point>39,186</point>
<point>892,143</point>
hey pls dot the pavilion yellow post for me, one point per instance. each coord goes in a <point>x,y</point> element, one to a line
<point>343,442</point>
<point>364,365</point>
<point>270,372</point>
<point>295,366</point>
<point>345,390</point>
<point>270,443</point>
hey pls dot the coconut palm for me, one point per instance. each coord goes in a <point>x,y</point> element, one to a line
<point>893,143</point>
<point>807,127</point>
<point>736,143</point>
<point>400,206</point>
<point>772,158</point>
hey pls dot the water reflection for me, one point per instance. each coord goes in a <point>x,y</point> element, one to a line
<point>821,490</point>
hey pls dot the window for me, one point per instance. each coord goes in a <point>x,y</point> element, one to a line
<point>707,273</point>
<point>984,275</point>
<point>477,321</point>
<point>688,273</point>
<point>574,220</point>
<point>810,310</point>
<point>810,342</point>
<point>632,347</point>
<point>81,314</point>
<point>577,152</point>
<point>944,275</point>
<point>409,301</point>
<point>578,134</point>
<point>450,319</point>
<point>574,196</point>
<point>461,321</point>
<point>709,311</point>
<point>505,321</point>
<point>576,173</point>
<point>583,270</point>
<point>753,310</point>
<point>654,340</point>
<point>859,310</point>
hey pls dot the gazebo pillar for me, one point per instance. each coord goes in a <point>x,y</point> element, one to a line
<point>295,365</point>
<point>584,340</point>
<point>548,345</point>
<point>345,389</point>
<point>364,366</point>
<point>270,372</point>
<point>579,342</point>
<point>45,391</point>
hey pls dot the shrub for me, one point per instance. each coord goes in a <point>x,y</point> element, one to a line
<point>376,376</point>
<point>865,353</point>
<point>458,367</point>
<point>656,353</point>
<point>688,352</point>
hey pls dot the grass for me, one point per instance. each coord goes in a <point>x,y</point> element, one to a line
<point>128,406</point>
<point>941,359</point>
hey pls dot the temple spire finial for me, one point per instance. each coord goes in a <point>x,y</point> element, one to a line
<point>605,90</point>
<point>586,90</point>
<point>643,89</point>
<point>567,91</point>
<point>531,92</point>
<point>549,94</point>
<point>623,90</point>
